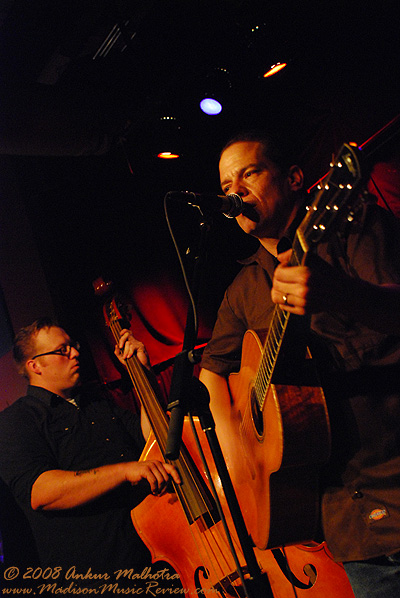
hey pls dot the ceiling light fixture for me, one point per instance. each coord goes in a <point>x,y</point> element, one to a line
<point>275,68</point>
<point>262,43</point>
<point>217,85</point>
<point>210,106</point>
<point>167,155</point>
<point>168,138</point>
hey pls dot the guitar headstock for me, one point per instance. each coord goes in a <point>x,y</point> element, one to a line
<point>337,197</point>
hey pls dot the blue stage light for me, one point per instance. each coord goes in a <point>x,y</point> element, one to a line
<point>210,106</point>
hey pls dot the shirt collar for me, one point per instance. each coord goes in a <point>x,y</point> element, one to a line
<point>262,257</point>
<point>44,395</point>
<point>266,259</point>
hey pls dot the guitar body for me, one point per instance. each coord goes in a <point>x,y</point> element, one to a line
<point>273,455</point>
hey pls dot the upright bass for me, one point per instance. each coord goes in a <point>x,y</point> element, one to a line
<point>183,528</point>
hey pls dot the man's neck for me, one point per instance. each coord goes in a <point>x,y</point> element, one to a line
<point>270,245</point>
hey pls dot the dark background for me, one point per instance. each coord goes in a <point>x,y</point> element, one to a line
<point>82,129</point>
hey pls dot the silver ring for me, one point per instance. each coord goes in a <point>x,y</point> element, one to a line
<point>285,299</point>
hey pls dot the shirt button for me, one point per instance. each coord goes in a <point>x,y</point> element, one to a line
<point>357,494</point>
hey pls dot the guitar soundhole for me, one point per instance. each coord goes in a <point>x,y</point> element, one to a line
<point>256,413</point>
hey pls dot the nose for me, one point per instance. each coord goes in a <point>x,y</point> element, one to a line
<point>74,352</point>
<point>238,188</point>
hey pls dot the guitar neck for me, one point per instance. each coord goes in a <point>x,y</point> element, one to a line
<point>336,196</point>
<point>275,336</point>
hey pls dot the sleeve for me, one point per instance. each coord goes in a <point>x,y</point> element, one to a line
<point>24,452</point>
<point>247,304</point>
<point>370,252</point>
<point>222,354</point>
<point>375,253</point>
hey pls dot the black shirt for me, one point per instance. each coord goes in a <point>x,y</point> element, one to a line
<point>42,432</point>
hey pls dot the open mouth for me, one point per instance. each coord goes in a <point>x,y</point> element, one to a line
<point>250,212</point>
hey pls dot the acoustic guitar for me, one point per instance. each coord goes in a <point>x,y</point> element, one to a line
<point>276,435</point>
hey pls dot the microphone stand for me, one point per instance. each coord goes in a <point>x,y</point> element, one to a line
<point>188,395</point>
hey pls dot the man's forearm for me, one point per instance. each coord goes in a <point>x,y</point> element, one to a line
<point>58,489</point>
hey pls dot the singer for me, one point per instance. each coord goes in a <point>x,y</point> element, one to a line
<point>350,290</point>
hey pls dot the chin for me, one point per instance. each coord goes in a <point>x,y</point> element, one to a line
<point>252,231</point>
<point>248,226</point>
<point>75,381</point>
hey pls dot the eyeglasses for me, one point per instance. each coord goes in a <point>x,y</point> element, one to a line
<point>64,350</point>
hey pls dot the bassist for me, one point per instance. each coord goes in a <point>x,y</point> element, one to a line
<point>71,460</point>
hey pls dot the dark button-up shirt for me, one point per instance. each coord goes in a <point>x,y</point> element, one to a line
<point>42,432</point>
<point>360,369</point>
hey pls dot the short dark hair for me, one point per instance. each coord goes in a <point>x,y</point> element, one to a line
<point>25,342</point>
<point>276,148</point>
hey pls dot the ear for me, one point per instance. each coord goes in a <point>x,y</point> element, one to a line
<point>295,178</point>
<point>33,368</point>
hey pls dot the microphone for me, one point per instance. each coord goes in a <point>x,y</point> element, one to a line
<point>230,205</point>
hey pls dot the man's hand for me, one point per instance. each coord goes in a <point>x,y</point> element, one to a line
<point>128,346</point>
<point>155,472</point>
<point>307,289</point>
